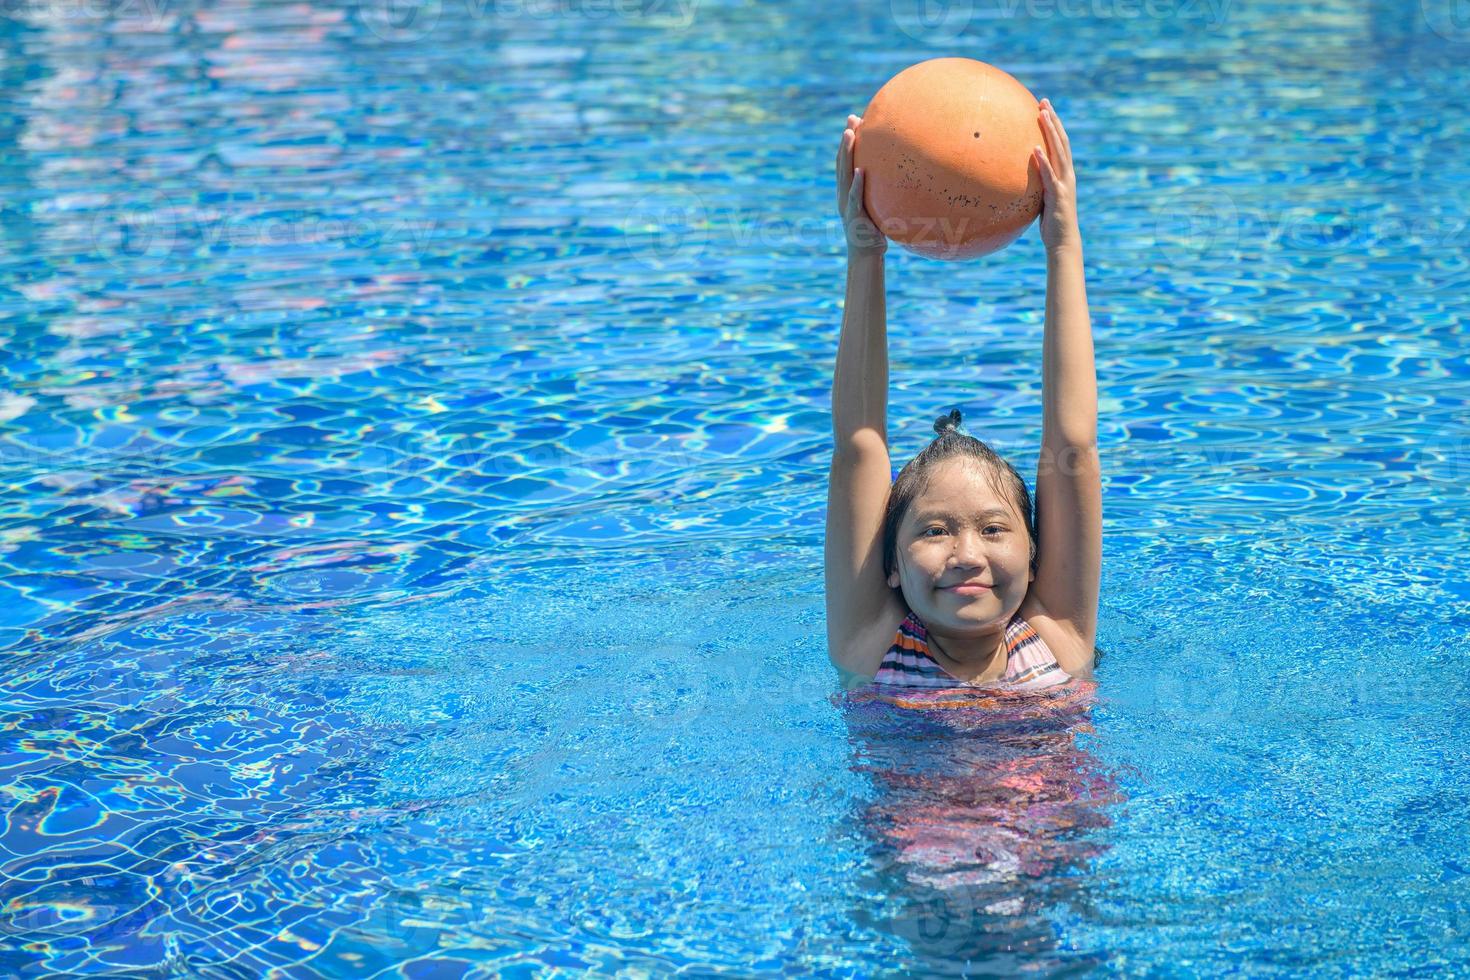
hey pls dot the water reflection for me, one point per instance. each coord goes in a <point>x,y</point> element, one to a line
<point>984,816</point>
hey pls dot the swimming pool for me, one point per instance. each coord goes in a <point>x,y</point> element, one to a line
<point>415,434</point>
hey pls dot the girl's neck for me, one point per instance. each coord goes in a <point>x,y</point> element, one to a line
<point>987,663</point>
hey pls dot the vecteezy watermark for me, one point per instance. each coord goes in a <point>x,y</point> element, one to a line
<point>1450,19</point>
<point>942,21</point>
<point>668,228</point>
<point>551,715</point>
<point>653,468</point>
<point>168,678</point>
<point>412,20</point>
<point>86,918</point>
<point>1175,227</point>
<point>148,232</point>
<point>1187,225</point>
<point>71,469</point>
<point>1444,456</point>
<point>151,12</point>
<point>136,232</point>
<point>676,13</point>
<point>676,228</point>
<point>306,229</point>
<point>1197,684</point>
<point>400,20</point>
<point>413,919</point>
<point>1067,461</point>
<point>933,21</point>
<point>666,687</point>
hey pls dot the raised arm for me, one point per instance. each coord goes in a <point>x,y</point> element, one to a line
<point>1069,475</point>
<point>859,601</point>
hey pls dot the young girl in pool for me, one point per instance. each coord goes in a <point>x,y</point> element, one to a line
<point>941,579</point>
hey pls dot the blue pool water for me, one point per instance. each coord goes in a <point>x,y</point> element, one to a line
<point>415,429</point>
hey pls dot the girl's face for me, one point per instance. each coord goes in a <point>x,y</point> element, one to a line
<point>960,531</point>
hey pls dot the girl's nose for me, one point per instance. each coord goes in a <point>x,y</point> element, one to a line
<point>967,547</point>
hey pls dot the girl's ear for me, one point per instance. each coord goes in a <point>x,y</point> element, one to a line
<point>893,580</point>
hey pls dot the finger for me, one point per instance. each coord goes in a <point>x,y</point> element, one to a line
<point>855,193</point>
<point>1063,139</point>
<point>1061,130</point>
<point>1048,137</point>
<point>844,167</point>
<point>1043,166</point>
<point>1055,153</point>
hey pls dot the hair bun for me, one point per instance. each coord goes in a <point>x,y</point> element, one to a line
<point>947,423</point>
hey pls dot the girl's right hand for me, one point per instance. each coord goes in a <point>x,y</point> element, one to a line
<point>863,237</point>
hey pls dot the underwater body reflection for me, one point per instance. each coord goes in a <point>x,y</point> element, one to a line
<point>985,815</point>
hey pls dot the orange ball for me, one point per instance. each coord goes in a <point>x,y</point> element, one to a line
<point>945,148</point>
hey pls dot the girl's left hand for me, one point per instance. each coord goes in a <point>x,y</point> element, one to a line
<point>1058,182</point>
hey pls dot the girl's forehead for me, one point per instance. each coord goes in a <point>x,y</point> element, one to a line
<point>959,477</point>
<point>959,489</point>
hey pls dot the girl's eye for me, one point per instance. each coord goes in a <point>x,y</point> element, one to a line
<point>998,528</point>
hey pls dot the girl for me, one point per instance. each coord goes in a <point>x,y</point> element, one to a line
<point>942,580</point>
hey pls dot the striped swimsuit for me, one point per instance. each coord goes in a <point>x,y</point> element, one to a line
<point>1030,665</point>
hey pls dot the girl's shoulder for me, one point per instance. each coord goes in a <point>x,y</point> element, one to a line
<point>907,660</point>
<point>910,662</point>
<point>1062,642</point>
<point>873,644</point>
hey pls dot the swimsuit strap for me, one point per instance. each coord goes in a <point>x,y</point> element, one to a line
<point>910,662</point>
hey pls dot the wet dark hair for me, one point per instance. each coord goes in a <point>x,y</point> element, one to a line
<point>950,443</point>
